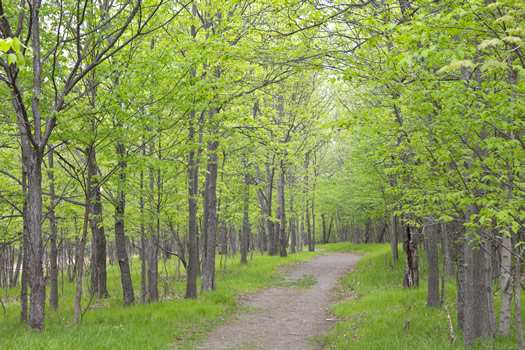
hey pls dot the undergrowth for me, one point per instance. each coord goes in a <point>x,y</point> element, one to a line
<point>174,322</point>
<point>379,313</point>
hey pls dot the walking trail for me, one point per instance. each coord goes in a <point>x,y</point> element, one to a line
<point>286,317</point>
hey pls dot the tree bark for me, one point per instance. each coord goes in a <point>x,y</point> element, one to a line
<point>412,262</point>
<point>323,219</point>
<point>53,272</point>
<point>393,237</point>
<point>143,256</point>
<point>447,256</point>
<point>270,227</point>
<point>208,272</point>
<point>433,266</point>
<point>517,301</point>
<point>506,286</point>
<point>152,242</point>
<point>193,188</point>
<point>98,272</point>
<point>246,230</point>
<point>82,244</point>
<point>283,239</point>
<point>307,211</point>
<point>120,233</point>
<point>37,283</point>
<point>208,282</point>
<point>479,317</point>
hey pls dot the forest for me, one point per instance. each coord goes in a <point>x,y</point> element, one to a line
<point>152,149</point>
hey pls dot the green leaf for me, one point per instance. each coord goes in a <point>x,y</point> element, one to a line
<point>11,58</point>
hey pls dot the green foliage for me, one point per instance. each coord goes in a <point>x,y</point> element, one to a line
<point>440,111</point>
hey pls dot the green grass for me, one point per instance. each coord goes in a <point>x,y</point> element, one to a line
<point>174,322</point>
<point>375,317</point>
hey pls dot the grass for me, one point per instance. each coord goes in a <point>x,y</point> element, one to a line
<point>174,322</point>
<point>375,316</point>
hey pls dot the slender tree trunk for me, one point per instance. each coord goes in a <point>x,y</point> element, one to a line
<point>82,244</point>
<point>330,229</point>
<point>307,211</point>
<point>151,244</point>
<point>270,227</point>
<point>393,238</point>
<point>120,233</point>
<point>283,239</point>
<point>37,283</point>
<point>316,171</point>
<point>506,286</point>
<point>193,188</point>
<point>14,280</point>
<point>98,273</point>
<point>447,256</point>
<point>208,272</point>
<point>323,219</point>
<point>293,229</point>
<point>517,302</point>
<point>479,310</point>
<point>53,273</point>
<point>246,230</point>
<point>339,226</point>
<point>412,262</point>
<point>433,266</point>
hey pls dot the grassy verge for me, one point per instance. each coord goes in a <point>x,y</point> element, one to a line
<point>174,322</point>
<point>376,319</point>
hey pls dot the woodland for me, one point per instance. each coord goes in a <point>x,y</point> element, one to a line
<point>137,134</point>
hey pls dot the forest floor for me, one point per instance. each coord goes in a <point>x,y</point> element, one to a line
<point>287,317</point>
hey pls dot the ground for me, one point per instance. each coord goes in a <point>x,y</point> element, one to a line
<point>286,317</point>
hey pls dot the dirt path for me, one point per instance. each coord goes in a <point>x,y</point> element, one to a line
<point>286,317</point>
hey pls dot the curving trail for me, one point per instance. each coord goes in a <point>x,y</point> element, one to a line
<point>286,317</point>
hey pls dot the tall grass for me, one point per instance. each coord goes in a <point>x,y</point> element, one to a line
<point>376,317</point>
<point>174,322</point>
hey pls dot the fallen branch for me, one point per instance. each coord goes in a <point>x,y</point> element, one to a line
<point>450,328</point>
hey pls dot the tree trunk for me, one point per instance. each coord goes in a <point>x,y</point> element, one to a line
<point>37,283</point>
<point>53,272</point>
<point>143,256</point>
<point>506,286</point>
<point>82,244</point>
<point>447,256</point>
<point>120,233</point>
<point>339,226</point>
<point>433,266</point>
<point>412,262</point>
<point>307,211</point>
<point>283,239</point>
<point>270,227</point>
<point>393,238</point>
<point>313,202</point>
<point>324,228</point>
<point>14,280</point>
<point>208,272</point>
<point>98,272</point>
<point>479,310</point>
<point>517,302</point>
<point>193,191</point>
<point>246,231</point>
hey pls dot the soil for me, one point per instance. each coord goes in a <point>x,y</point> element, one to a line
<point>286,317</point>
